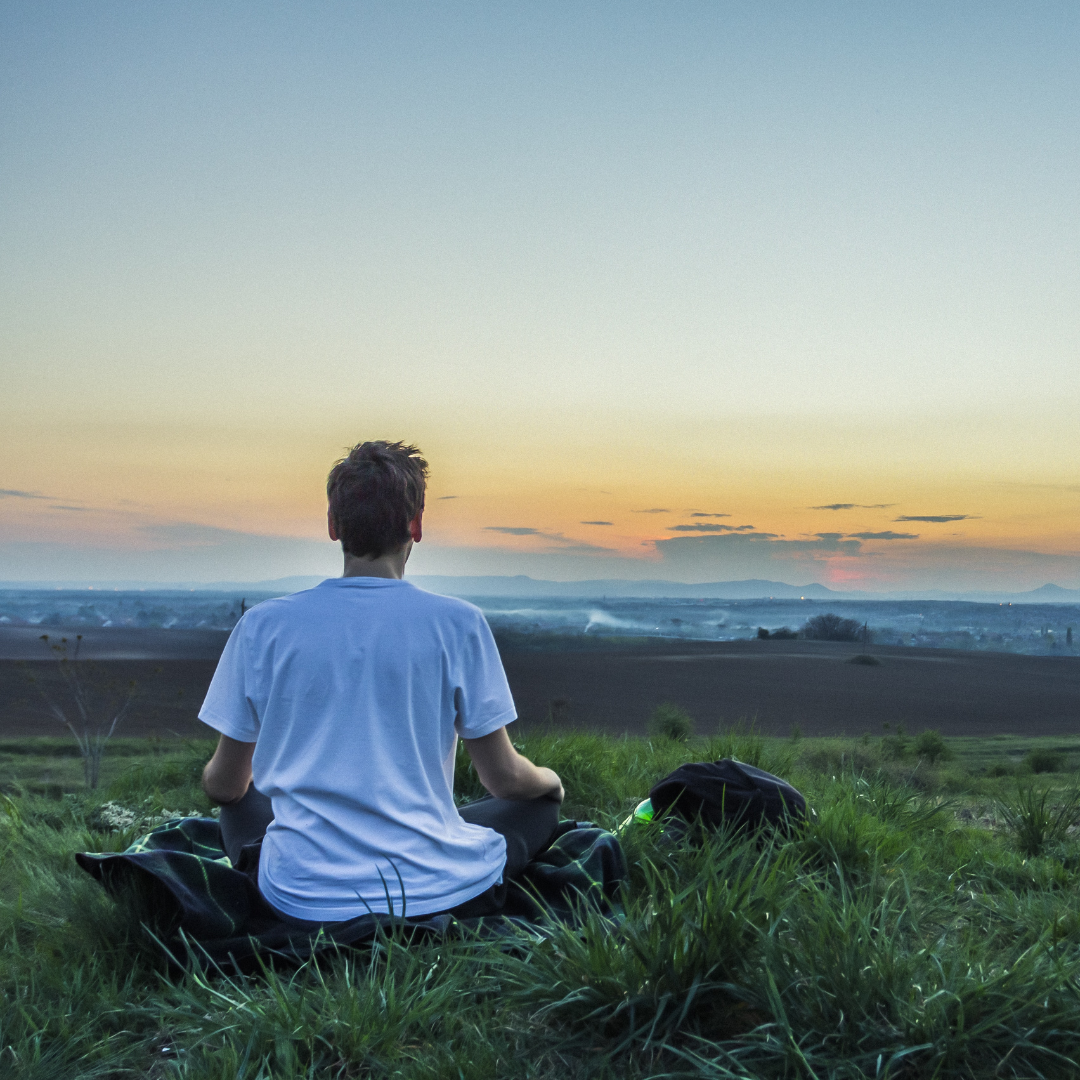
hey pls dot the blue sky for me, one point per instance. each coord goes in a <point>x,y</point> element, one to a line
<point>568,249</point>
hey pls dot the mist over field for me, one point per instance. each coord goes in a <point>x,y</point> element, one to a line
<point>1030,628</point>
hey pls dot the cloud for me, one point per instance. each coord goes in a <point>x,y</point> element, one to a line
<point>77,508</point>
<point>936,517</point>
<point>887,535</point>
<point>564,543</point>
<point>854,506</point>
<point>176,552</point>
<point>654,510</point>
<point>699,514</point>
<point>11,493</point>
<point>189,534</point>
<point>710,526</point>
<point>735,556</point>
<point>442,498</point>
<point>597,523</point>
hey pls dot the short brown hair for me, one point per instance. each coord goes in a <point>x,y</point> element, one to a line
<point>374,492</point>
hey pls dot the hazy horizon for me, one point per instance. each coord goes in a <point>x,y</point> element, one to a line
<point>702,292</point>
<point>522,586</point>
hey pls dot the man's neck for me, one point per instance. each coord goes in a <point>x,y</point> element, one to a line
<point>390,565</point>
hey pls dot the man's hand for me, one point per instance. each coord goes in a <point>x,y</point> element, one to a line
<point>228,773</point>
<point>509,775</point>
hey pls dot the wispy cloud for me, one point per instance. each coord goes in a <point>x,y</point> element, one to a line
<point>563,543</point>
<point>710,526</point>
<point>442,498</point>
<point>597,523</point>
<point>766,545</point>
<point>854,506</point>
<point>654,510</point>
<point>936,517</point>
<point>193,534</point>
<point>570,548</point>
<point>1024,484</point>
<point>14,493</point>
<point>887,535</point>
<point>700,514</point>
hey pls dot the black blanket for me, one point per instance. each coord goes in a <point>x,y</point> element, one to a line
<point>184,888</point>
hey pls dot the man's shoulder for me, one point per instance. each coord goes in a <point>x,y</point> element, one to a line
<point>321,603</point>
<point>451,607</point>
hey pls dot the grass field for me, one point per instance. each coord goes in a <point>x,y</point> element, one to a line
<point>924,924</point>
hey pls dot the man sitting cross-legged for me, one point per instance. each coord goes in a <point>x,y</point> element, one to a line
<point>339,710</point>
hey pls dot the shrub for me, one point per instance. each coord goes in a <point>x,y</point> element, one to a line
<point>930,746</point>
<point>894,746</point>
<point>671,722</point>
<point>559,710</point>
<point>1035,822</point>
<point>832,627</point>
<point>1043,761</point>
<point>781,633</point>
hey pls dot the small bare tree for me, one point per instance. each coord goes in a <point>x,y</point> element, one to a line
<point>97,706</point>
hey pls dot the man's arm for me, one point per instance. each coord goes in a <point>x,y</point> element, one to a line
<point>506,773</point>
<point>228,773</point>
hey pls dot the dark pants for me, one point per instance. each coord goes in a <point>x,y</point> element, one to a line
<point>528,826</point>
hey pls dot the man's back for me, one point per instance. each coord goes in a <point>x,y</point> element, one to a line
<point>354,693</point>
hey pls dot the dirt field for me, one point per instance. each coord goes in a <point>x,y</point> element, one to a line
<point>774,684</point>
<point>812,684</point>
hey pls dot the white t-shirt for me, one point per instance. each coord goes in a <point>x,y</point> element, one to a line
<point>354,694</point>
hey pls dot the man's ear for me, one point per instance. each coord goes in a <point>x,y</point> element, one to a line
<point>330,525</point>
<point>416,527</point>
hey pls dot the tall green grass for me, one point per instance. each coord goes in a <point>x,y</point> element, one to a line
<point>888,938</point>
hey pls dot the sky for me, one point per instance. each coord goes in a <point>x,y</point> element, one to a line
<point>702,291</point>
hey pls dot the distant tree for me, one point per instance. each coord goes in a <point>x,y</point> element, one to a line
<point>930,746</point>
<point>832,627</point>
<point>762,633</point>
<point>95,706</point>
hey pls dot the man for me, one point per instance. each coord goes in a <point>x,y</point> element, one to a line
<point>339,710</point>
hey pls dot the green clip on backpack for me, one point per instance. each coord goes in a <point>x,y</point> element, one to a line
<point>723,793</point>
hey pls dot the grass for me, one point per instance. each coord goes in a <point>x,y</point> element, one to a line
<point>910,930</point>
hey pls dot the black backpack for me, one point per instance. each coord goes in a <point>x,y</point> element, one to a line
<point>728,793</point>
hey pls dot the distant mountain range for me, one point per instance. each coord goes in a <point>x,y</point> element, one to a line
<point>527,587</point>
<point>753,589</point>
